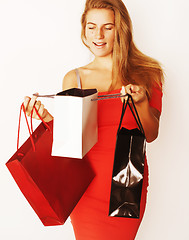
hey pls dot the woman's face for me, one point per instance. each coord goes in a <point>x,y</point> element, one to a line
<point>100,31</point>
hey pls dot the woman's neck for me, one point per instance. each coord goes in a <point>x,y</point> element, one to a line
<point>103,63</point>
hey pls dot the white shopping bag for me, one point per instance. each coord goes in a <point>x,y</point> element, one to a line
<point>75,127</point>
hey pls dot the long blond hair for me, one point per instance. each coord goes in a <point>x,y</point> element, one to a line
<point>129,64</point>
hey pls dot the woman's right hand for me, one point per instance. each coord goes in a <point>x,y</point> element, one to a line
<point>29,104</point>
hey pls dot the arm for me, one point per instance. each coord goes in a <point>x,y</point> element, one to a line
<point>149,116</point>
<point>70,80</point>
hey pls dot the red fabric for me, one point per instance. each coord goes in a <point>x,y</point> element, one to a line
<point>90,218</point>
<point>156,98</point>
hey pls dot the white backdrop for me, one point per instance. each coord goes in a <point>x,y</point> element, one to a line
<point>39,43</point>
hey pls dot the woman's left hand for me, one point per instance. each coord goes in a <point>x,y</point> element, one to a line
<point>137,92</point>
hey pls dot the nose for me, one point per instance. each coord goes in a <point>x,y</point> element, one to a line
<point>99,34</point>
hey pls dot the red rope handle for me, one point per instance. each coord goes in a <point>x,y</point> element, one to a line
<point>46,125</point>
<point>22,108</point>
<point>30,132</point>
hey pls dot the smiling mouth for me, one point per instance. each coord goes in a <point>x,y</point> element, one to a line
<point>99,44</point>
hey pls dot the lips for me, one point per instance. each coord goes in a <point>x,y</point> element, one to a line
<point>99,44</point>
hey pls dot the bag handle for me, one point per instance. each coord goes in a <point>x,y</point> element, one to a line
<point>134,113</point>
<point>136,116</point>
<point>109,96</point>
<point>22,108</point>
<point>31,122</point>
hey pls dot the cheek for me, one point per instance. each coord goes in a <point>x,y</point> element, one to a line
<point>89,33</point>
<point>112,37</point>
<point>89,36</point>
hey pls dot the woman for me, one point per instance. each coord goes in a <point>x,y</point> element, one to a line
<point>118,66</point>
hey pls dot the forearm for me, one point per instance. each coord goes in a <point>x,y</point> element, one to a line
<point>149,121</point>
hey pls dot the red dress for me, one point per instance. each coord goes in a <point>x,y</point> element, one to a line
<point>90,218</point>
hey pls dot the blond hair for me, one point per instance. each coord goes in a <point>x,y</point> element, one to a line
<point>129,64</point>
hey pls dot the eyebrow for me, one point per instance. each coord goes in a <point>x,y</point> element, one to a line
<point>103,24</point>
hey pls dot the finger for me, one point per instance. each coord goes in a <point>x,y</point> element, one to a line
<point>123,92</point>
<point>135,88</point>
<point>37,104</point>
<point>33,101</point>
<point>37,108</point>
<point>42,111</point>
<point>31,104</point>
<point>26,102</point>
<point>128,89</point>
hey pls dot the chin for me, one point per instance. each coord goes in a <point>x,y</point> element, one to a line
<point>101,54</point>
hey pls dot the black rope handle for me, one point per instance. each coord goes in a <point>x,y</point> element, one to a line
<point>137,118</point>
<point>124,106</point>
<point>134,113</point>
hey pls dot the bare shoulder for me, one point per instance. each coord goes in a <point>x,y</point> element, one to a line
<point>87,77</point>
<point>69,80</point>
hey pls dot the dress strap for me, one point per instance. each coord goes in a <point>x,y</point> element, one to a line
<point>78,78</point>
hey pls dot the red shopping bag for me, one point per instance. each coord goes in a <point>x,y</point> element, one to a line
<point>52,185</point>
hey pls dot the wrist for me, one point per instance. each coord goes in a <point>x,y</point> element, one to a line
<point>143,102</point>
